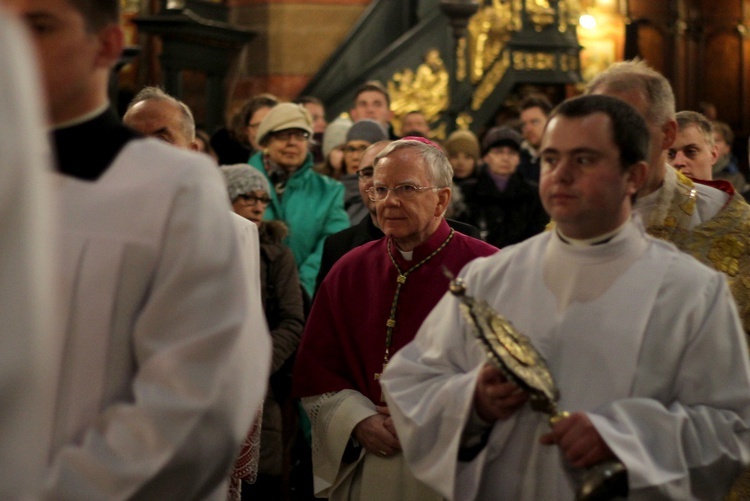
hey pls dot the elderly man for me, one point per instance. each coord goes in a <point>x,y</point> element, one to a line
<point>369,306</point>
<point>710,224</point>
<point>155,392</point>
<point>153,112</point>
<point>693,152</point>
<point>631,367</point>
<point>367,229</point>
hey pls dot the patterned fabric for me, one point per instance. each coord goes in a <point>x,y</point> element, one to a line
<point>246,466</point>
<point>722,243</point>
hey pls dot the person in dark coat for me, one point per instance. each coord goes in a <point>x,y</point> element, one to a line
<point>502,204</point>
<point>281,294</point>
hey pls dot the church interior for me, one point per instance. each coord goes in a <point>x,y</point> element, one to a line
<point>460,61</point>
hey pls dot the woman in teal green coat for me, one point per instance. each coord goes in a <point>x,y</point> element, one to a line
<point>311,205</point>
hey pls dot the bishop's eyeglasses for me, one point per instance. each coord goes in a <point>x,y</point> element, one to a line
<point>403,191</point>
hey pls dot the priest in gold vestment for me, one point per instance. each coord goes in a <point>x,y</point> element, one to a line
<point>708,220</point>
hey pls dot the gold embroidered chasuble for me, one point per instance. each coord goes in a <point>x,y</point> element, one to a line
<point>723,242</point>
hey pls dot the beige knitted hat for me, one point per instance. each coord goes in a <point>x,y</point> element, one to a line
<point>282,117</point>
<point>462,141</point>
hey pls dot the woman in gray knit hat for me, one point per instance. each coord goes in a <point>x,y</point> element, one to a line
<point>281,295</point>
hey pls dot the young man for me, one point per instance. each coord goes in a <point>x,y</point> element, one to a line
<point>726,165</point>
<point>634,369</point>
<point>371,100</point>
<point>693,152</point>
<point>155,393</point>
<point>534,112</point>
<point>415,123</point>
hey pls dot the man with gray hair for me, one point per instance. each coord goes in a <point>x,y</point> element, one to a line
<point>370,305</point>
<point>153,112</point>
<point>711,224</point>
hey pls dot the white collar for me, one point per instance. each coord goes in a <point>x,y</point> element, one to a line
<point>83,118</point>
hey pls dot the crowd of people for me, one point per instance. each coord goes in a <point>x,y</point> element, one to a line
<point>263,312</point>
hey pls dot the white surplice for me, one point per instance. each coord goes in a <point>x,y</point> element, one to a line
<point>333,417</point>
<point>639,336</point>
<point>29,336</point>
<point>166,358</point>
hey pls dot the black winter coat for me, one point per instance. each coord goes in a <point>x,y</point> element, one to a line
<point>505,217</point>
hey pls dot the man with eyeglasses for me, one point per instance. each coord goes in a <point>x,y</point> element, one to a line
<point>367,229</point>
<point>359,137</point>
<point>370,305</point>
<point>311,205</point>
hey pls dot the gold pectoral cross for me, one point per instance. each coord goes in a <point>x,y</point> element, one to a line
<point>376,377</point>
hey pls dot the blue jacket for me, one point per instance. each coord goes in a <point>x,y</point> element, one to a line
<point>313,208</point>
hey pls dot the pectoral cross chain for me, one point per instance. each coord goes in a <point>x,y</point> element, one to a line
<point>377,378</point>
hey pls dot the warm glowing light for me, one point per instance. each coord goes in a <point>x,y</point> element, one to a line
<point>587,21</point>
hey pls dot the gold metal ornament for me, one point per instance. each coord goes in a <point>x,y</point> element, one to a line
<point>515,356</point>
<point>541,13</point>
<point>425,89</point>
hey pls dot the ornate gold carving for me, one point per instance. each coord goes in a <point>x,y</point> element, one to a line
<point>463,121</point>
<point>533,61</point>
<point>568,62</point>
<point>438,132</point>
<point>517,21</point>
<point>489,30</point>
<point>568,13</point>
<point>540,13</point>
<point>490,81</point>
<point>425,90</point>
<point>461,59</point>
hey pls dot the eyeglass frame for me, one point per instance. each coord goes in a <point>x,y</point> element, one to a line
<point>287,134</point>
<point>365,176</point>
<point>254,199</point>
<point>399,191</point>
